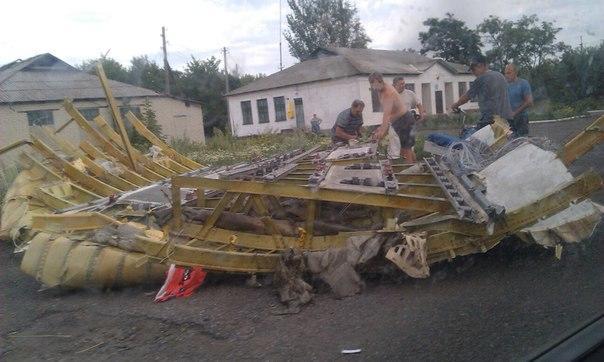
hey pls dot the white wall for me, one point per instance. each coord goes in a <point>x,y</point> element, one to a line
<point>437,76</point>
<point>328,98</point>
<point>325,98</point>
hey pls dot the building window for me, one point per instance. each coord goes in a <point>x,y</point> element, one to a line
<point>410,86</point>
<point>246,112</point>
<point>279,109</point>
<point>475,99</point>
<point>262,105</point>
<point>462,88</point>
<point>40,118</point>
<point>89,113</point>
<point>134,109</point>
<point>375,100</point>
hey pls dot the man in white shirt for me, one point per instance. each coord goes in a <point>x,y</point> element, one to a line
<point>412,103</point>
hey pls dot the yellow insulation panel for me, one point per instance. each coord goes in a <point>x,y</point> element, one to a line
<point>71,264</point>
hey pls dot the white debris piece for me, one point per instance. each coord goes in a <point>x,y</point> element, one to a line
<point>571,225</point>
<point>523,176</point>
<point>526,175</point>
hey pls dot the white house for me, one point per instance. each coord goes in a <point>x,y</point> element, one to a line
<point>32,92</point>
<point>327,83</point>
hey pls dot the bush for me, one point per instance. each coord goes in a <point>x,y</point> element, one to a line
<point>225,149</point>
<point>564,112</point>
<point>7,176</point>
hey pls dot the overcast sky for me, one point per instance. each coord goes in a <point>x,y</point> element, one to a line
<point>78,30</point>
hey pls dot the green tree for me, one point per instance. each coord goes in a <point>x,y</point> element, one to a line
<point>146,73</point>
<point>149,119</point>
<point>203,81</point>
<point>113,69</point>
<point>577,75</point>
<point>526,42</point>
<point>316,23</point>
<point>449,38</point>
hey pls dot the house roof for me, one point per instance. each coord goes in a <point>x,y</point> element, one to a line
<point>45,78</point>
<point>332,62</point>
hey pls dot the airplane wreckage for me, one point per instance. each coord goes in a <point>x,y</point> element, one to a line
<point>103,214</point>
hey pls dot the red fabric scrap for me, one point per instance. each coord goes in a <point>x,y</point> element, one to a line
<point>181,281</point>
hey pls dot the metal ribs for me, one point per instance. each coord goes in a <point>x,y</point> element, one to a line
<point>454,195</point>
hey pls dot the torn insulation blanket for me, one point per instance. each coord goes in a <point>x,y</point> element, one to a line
<point>59,261</point>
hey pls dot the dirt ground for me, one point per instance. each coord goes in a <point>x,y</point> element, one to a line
<point>501,305</point>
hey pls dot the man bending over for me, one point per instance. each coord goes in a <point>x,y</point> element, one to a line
<point>396,115</point>
<point>348,124</point>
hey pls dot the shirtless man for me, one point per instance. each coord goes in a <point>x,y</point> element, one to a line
<point>412,102</point>
<point>396,115</point>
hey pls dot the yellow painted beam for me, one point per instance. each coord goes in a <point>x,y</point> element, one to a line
<point>128,175</point>
<point>167,149</point>
<point>582,143</point>
<point>399,201</point>
<point>73,173</point>
<point>117,117</point>
<point>138,156</point>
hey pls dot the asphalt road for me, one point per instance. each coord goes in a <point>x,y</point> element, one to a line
<point>501,305</point>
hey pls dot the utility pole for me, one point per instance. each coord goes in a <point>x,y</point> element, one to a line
<point>280,51</point>
<point>226,70</point>
<point>166,65</point>
<point>581,44</point>
<point>226,86</point>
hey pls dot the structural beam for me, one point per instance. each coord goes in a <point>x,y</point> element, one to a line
<point>582,143</point>
<point>400,201</point>
<point>117,117</point>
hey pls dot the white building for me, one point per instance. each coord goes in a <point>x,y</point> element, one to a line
<point>32,92</point>
<point>327,83</point>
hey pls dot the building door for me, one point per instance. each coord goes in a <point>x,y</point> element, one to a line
<point>427,97</point>
<point>448,95</point>
<point>438,97</point>
<point>299,112</point>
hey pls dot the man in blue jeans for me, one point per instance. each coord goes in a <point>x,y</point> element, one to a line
<point>521,98</point>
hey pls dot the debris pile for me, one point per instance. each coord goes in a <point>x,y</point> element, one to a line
<point>103,214</point>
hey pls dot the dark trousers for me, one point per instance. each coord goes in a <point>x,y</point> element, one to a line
<point>519,125</point>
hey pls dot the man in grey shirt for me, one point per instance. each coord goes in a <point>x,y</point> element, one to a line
<point>491,90</point>
<point>349,122</point>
